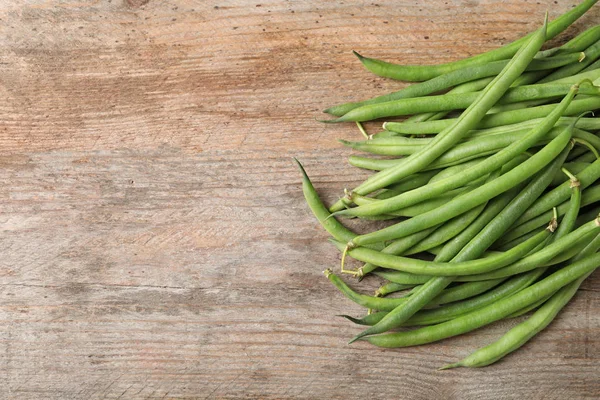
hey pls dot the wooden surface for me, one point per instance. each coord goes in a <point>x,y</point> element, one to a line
<point>155,242</point>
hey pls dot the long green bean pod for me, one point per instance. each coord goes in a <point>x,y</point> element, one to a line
<point>423,72</point>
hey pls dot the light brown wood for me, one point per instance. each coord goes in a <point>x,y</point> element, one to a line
<point>155,242</point>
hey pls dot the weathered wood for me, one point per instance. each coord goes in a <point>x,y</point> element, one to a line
<point>155,239</point>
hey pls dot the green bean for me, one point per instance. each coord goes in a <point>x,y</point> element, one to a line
<point>587,157</point>
<point>391,287</point>
<point>453,78</point>
<point>447,231</point>
<point>589,196</point>
<point>574,167</point>
<point>401,245</point>
<point>590,140</point>
<point>376,303</point>
<point>582,41</point>
<point>464,291</point>
<point>473,249</point>
<point>331,225</point>
<point>421,267</point>
<point>455,169</point>
<point>475,146</point>
<point>457,101</point>
<point>398,247</point>
<point>578,106</point>
<point>498,310</point>
<point>471,86</point>
<point>568,222</point>
<point>415,209</point>
<point>591,54</point>
<point>495,206</point>
<point>371,302</point>
<point>578,244</point>
<point>591,67</point>
<point>505,218</point>
<point>409,183</point>
<point>529,308</point>
<point>479,141</point>
<point>542,257</point>
<point>368,320</point>
<point>560,193</point>
<point>453,310</point>
<point>455,294</point>
<point>516,241</point>
<point>435,285</point>
<point>401,277</point>
<point>423,72</point>
<point>470,200</point>
<point>468,119</point>
<point>457,156</point>
<point>474,172</point>
<point>521,333</point>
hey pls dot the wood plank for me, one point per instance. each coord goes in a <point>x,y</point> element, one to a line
<point>156,242</point>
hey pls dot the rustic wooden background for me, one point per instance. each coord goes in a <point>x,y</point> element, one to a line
<point>155,242</point>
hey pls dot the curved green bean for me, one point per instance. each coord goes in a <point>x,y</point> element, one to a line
<point>542,257</point>
<point>498,310</point>
<point>453,78</point>
<point>423,72</point>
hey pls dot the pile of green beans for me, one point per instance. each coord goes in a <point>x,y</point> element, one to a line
<point>486,182</point>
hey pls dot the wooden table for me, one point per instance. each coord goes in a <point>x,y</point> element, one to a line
<point>155,241</point>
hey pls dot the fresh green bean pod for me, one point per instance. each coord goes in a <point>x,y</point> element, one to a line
<point>421,267</point>
<point>398,247</point>
<point>471,86</point>
<point>415,73</point>
<point>463,291</point>
<point>589,196</point>
<point>331,225</point>
<point>456,309</point>
<point>447,231</point>
<point>452,79</point>
<point>391,287</point>
<point>582,41</point>
<point>407,184</point>
<point>542,257</point>
<point>371,302</point>
<point>476,246</point>
<point>529,308</point>
<point>491,313</point>
<point>578,106</point>
<point>560,193</point>
<point>401,277</point>
<point>591,55</point>
<point>456,101</point>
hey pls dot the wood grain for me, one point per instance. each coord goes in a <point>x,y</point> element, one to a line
<point>155,239</point>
